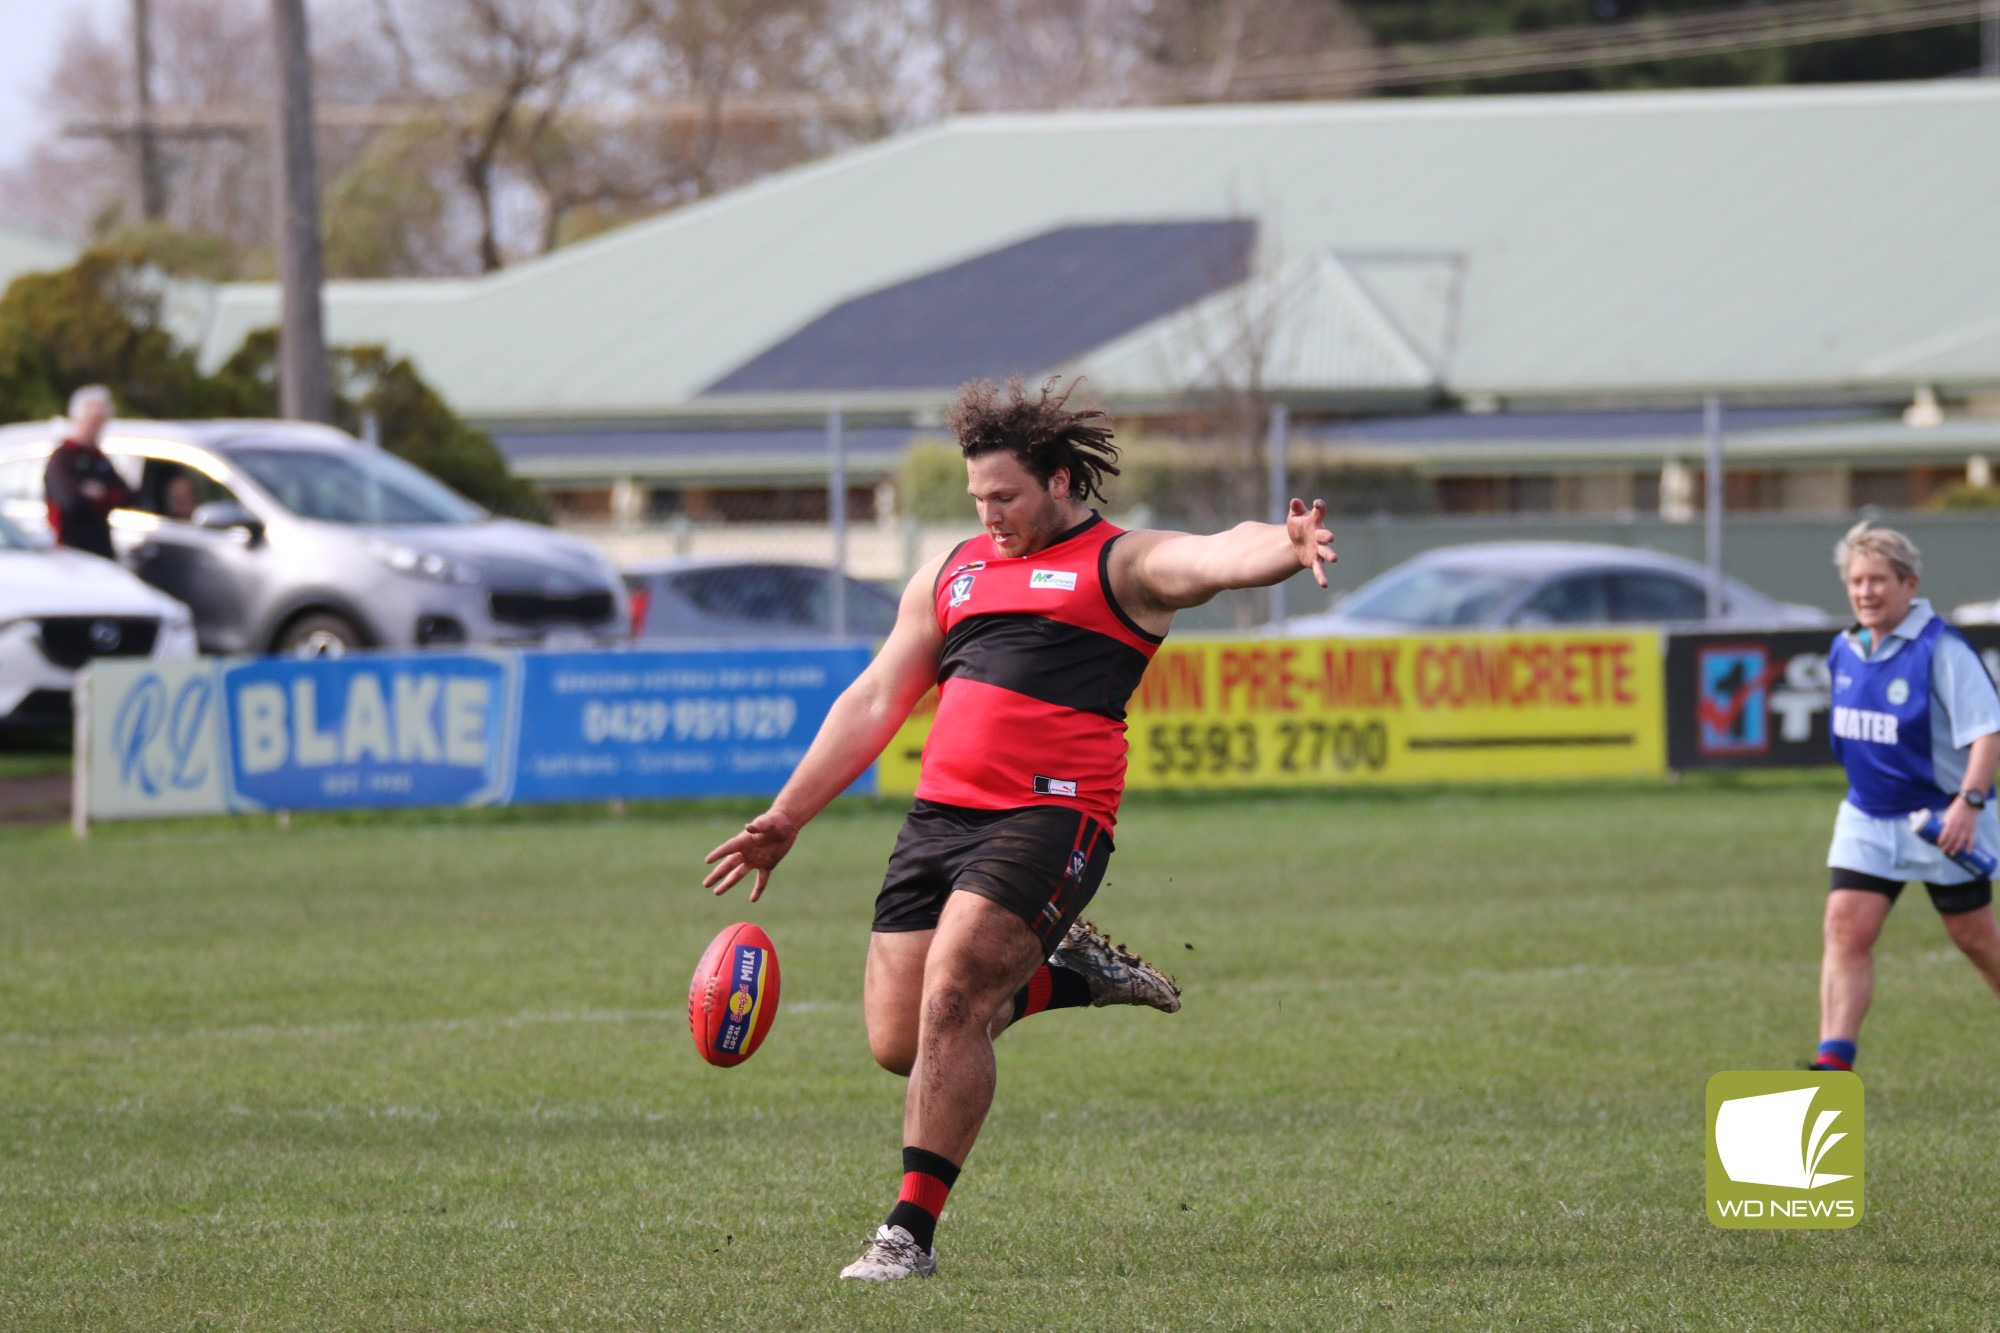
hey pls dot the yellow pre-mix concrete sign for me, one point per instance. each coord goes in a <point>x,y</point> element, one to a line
<point>1429,708</point>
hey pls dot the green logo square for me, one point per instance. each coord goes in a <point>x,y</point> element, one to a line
<point>1784,1149</point>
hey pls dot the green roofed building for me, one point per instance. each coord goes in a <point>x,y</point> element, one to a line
<point>1527,298</point>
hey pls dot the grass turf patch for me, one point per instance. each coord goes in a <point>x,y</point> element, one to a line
<point>1441,1065</point>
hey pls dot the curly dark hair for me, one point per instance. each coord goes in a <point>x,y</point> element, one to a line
<point>1040,430</point>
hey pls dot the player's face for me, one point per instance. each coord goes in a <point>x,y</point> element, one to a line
<point>1879,595</point>
<point>1020,514</point>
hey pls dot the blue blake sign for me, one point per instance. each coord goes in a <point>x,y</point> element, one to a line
<point>453,729</point>
<point>362,732</point>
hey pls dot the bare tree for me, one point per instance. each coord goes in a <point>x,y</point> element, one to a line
<point>497,74</point>
<point>458,134</point>
<point>1032,54</point>
<point>216,175</point>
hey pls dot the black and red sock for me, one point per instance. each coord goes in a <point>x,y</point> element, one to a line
<point>927,1182</point>
<point>1051,988</point>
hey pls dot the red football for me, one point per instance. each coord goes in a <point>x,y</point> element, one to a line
<point>734,995</point>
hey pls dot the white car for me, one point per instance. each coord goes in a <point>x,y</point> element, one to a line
<point>60,609</point>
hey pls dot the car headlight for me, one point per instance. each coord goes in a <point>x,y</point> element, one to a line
<point>424,564</point>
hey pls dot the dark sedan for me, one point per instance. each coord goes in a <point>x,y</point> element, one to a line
<point>697,598</point>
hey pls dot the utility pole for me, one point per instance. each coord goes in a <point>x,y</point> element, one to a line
<point>152,177</point>
<point>1277,435</point>
<point>1717,483</point>
<point>305,380</point>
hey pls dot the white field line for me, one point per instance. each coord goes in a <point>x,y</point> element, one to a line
<point>503,1022</point>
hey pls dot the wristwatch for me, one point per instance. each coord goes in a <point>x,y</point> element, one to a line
<point>1975,799</point>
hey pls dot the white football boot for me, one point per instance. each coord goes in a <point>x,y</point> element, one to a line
<point>892,1254</point>
<point>1115,974</point>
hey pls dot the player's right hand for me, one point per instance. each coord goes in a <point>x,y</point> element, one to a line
<point>759,847</point>
<point>1958,828</point>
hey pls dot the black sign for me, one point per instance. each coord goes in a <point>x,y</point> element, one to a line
<point>1759,700</point>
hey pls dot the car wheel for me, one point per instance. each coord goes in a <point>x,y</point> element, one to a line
<point>321,634</point>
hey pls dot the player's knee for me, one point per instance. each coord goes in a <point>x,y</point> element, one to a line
<point>947,1008</point>
<point>1850,936</point>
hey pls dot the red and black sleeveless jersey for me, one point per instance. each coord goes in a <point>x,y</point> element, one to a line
<point>1039,662</point>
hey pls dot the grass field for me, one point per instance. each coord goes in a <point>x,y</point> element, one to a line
<point>1441,1065</point>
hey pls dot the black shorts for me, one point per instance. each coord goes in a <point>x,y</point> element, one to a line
<point>1949,899</point>
<point>1043,863</point>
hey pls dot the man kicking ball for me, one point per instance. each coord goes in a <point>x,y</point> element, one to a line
<point>1036,634</point>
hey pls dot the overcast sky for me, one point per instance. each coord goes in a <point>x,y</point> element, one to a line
<point>30,32</point>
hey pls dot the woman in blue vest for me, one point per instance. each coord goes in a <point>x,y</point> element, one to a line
<point>1916,724</point>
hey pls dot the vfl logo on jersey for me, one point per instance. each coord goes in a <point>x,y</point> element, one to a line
<point>1899,692</point>
<point>961,590</point>
<point>1862,724</point>
<point>1077,862</point>
<point>1053,786</point>
<point>1060,579</point>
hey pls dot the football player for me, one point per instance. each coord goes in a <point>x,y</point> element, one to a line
<point>1036,632</point>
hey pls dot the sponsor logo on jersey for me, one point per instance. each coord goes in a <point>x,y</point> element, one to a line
<point>1864,724</point>
<point>1899,692</point>
<point>1054,786</point>
<point>961,590</point>
<point>1061,579</point>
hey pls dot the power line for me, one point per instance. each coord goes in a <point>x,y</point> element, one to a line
<point>1627,42</point>
<point>222,119</point>
<point>1330,73</point>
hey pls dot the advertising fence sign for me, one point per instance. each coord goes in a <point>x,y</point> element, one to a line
<point>1430,708</point>
<point>482,728</point>
<point>1760,700</point>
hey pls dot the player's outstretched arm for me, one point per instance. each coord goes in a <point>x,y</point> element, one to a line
<point>1172,571</point>
<point>858,728</point>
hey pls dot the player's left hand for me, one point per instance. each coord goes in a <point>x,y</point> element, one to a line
<point>1957,828</point>
<point>759,847</point>
<point>1311,538</point>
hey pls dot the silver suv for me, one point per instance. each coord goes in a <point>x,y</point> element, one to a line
<point>295,538</point>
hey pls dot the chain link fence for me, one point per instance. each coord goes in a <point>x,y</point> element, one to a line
<point>746,559</point>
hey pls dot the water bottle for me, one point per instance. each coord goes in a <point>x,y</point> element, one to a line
<point>1926,824</point>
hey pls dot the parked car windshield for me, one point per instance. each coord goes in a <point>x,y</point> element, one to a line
<point>1434,597</point>
<point>360,485</point>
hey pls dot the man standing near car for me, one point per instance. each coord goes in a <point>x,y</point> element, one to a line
<point>81,485</point>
